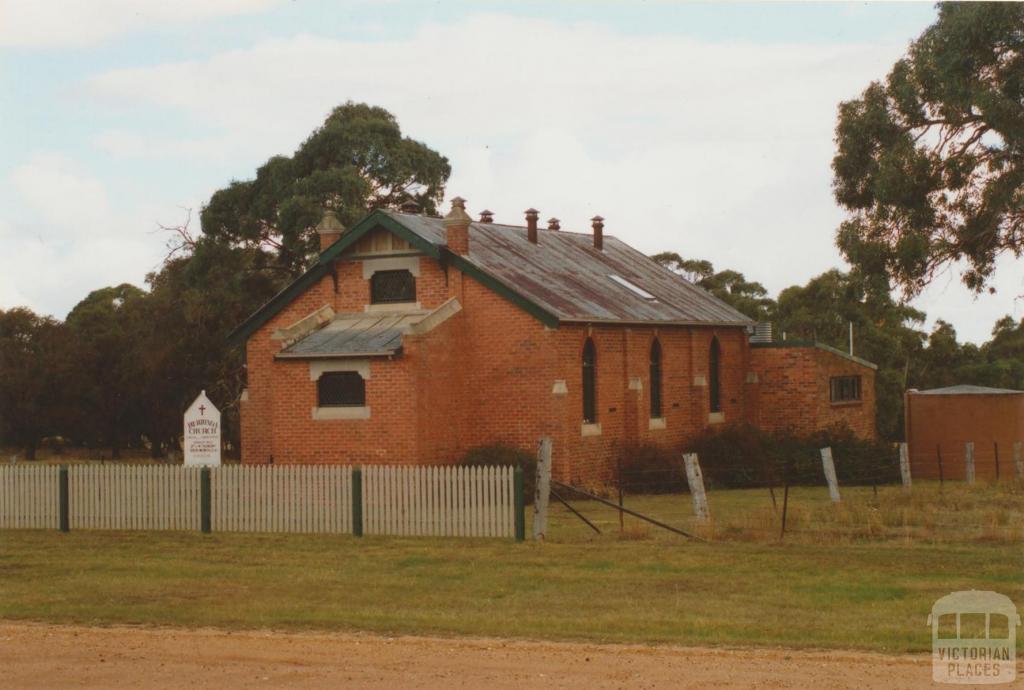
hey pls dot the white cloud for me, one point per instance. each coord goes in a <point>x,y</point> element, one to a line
<point>52,23</point>
<point>60,194</point>
<point>718,150</point>
<point>69,238</point>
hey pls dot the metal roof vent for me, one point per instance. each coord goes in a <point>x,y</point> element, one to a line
<point>410,206</point>
<point>762,332</point>
<point>486,216</point>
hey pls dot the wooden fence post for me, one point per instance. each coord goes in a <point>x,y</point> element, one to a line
<point>357,501</point>
<point>696,481</point>
<point>905,466</point>
<point>995,447</point>
<point>969,461</point>
<point>938,458</point>
<point>1018,460</point>
<point>520,504</point>
<point>63,495</point>
<point>829,467</point>
<point>543,490</point>
<point>204,499</point>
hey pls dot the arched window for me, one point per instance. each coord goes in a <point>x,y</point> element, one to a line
<point>655,378</point>
<point>589,383</point>
<point>714,380</point>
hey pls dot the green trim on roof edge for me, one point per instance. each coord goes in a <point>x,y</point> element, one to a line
<point>821,346</point>
<point>371,222</point>
<point>489,281</point>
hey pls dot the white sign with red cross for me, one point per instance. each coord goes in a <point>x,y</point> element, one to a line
<point>202,433</point>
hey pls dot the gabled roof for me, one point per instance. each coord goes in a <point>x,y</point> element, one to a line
<point>968,390</point>
<point>562,278</point>
<point>777,344</point>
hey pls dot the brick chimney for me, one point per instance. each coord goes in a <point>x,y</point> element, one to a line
<point>531,224</point>
<point>554,224</point>
<point>330,229</point>
<point>456,225</point>
<point>487,216</point>
<point>597,222</point>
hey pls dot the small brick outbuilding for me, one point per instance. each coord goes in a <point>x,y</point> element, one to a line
<point>413,339</point>
<point>941,421</point>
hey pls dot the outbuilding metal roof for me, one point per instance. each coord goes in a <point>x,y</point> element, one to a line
<point>968,390</point>
<point>355,335</point>
<point>565,275</point>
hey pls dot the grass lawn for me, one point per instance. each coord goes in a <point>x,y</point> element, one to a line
<point>853,593</point>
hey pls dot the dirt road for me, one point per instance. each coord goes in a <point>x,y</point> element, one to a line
<point>45,656</point>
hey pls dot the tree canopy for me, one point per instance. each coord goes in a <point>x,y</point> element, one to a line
<point>732,287</point>
<point>930,163</point>
<point>357,160</point>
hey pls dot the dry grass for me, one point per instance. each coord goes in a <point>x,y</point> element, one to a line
<point>956,513</point>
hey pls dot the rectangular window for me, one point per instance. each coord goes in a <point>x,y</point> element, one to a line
<point>341,389</point>
<point>387,287</point>
<point>844,388</point>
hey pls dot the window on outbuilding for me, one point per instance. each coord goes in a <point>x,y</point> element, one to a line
<point>388,287</point>
<point>655,378</point>
<point>844,388</point>
<point>714,376</point>
<point>589,382</point>
<point>341,389</point>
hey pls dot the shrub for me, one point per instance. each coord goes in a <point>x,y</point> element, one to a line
<point>743,456</point>
<point>738,455</point>
<point>505,456</point>
<point>651,469</point>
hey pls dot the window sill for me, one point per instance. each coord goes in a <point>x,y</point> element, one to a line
<point>847,403</point>
<point>656,423</point>
<point>393,306</point>
<point>590,429</point>
<point>716,418</point>
<point>325,413</point>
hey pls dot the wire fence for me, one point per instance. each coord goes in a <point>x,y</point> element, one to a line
<point>759,498</point>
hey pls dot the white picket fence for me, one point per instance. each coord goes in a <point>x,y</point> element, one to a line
<point>29,497</point>
<point>439,501</point>
<point>135,497</point>
<point>406,501</point>
<point>310,498</point>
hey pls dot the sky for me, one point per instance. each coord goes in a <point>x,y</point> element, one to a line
<point>704,129</point>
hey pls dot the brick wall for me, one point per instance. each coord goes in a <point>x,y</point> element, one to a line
<point>494,374</point>
<point>791,393</point>
<point>487,375</point>
<point>948,422</point>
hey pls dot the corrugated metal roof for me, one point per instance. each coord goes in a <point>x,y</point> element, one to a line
<point>968,390</point>
<point>356,335</point>
<point>564,274</point>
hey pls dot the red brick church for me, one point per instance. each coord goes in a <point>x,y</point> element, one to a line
<point>413,339</point>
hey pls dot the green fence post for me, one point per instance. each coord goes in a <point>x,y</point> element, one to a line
<point>520,504</point>
<point>62,483</point>
<point>357,501</point>
<point>204,499</point>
